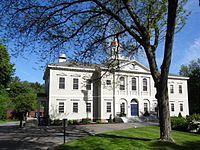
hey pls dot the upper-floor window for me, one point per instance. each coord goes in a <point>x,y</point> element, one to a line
<point>108,107</point>
<point>181,107</point>
<point>75,107</point>
<point>108,82</point>
<point>171,88</point>
<point>144,84</point>
<point>122,83</point>
<point>180,89</point>
<point>88,107</point>
<point>61,83</point>
<point>172,106</point>
<point>88,85</point>
<point>61,107</point>
<point>134,84</point>
<point>75,83</point>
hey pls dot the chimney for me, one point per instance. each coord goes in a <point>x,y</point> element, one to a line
<point>62,58</point>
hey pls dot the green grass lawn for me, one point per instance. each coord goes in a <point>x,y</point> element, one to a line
<point>4,121</point>
<point>143,138</point>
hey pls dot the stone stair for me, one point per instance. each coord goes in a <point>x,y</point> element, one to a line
<point>138,119</point>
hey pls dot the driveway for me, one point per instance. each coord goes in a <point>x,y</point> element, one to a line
<point>14,138</point>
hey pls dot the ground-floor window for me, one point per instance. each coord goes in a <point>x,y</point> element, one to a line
<point>172,106</point>
<point>61,107</point>
<point>122,108</point>
<point>181,107</point>
<point>108,107</point>
<point>145,107</point>
<point>75,107</point>
<point>88,107</point>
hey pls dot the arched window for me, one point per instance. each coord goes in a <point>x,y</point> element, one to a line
<point>122,83</point>
<point>144,84</point>
<point>134,84</point>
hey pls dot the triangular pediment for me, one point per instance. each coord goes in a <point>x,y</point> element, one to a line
<point>133,65</point>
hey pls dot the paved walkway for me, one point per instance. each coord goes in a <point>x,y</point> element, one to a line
<point>14,138</point>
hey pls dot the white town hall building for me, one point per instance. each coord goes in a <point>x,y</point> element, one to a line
<point>77,90</point>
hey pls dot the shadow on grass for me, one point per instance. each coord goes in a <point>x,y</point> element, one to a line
<point>188,145</point>
<point>121,137</point>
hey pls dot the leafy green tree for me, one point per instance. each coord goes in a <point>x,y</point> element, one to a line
<point>88,25</point>
<point>23,97</point>
<point>193,72</point>
<point>6,68</point>
<point>4,102</point>
<point>6,71</point>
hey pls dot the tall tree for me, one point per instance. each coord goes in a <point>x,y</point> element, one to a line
<point>91,23</point>
<point>193,71</point>
<point>6,68</point>
<point>23,97</point>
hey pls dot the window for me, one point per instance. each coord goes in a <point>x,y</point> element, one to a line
<point>172,107</point>
<point>88,107</point>
<point>181,107</point>
<point>88,85</point>
<point>108,107</point>
<point>61,83</point>
<point>122,83</point>
<point>75,83</point>
<point>145,107</point>
<point>180,89</point>
<point>134,84</point>
<point>61,107</point>
<point>108,82</point>
<point>122,108</point>
<point>144,84</point>
<point>171,88</point>
<point>75,107</point>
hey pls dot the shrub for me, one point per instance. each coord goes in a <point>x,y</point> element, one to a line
<point>110,120</point>
<point>57,122</point>
<point>86,120</point>
<point>193,117</point>
<point>98,121</point>
<point>75,122</point>
<point>179,123</point>
<point>69,122</point>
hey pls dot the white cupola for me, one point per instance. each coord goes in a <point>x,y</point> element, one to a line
<point>62,58</point>
<point>115,49</point>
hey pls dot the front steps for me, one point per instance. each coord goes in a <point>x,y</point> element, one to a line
<point>137,119</point>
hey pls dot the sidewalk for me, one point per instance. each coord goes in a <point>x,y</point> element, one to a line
<point>12,137</point>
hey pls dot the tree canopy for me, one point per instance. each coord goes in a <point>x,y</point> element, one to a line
<point>85,27</point>
<point>192,71</point>
<point>6,68</point>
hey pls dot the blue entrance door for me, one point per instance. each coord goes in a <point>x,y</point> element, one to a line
<point>134,109</point>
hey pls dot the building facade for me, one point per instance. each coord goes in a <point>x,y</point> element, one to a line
<point>80,90</point>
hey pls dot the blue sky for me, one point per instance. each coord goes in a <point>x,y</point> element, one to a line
<point>186,48</point>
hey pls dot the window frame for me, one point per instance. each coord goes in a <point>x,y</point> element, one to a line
<point>61,84</point>
<point>108,107</point>
<point>61,108</point>
<point>108,82</point>
<point>181,107</point>
<point>134,84</point>
<point>75,108</point>
<point>146,107</point>
<point>122,83</point>
<point>88,84</point>
<point>88,107</point>
<point>171,89</point>
<point>75,85</point>
<point>180,89</point>
<point>144,82</point>
<point>172,107</point>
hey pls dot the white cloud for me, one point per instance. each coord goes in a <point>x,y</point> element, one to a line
<point>193,51</point>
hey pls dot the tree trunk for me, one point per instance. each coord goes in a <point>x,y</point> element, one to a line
<point>164,113</point>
